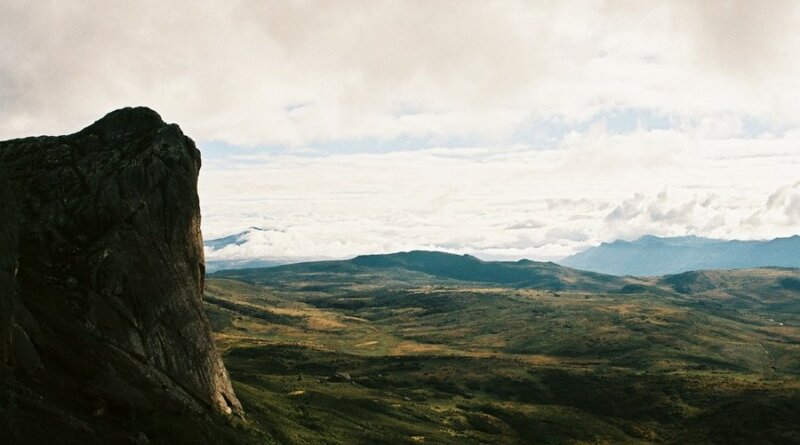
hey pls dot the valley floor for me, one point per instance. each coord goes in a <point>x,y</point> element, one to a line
<point>330,363</point>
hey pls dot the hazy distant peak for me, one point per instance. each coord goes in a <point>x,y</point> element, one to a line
<point>653,255</point>
<point>236,239</point>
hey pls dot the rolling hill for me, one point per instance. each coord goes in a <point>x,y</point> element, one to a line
<point>426,267</point>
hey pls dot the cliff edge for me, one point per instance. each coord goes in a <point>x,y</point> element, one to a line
<point>101,275</point>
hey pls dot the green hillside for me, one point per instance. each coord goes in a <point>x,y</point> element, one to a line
<point>391,349</point>
<point>424,267</point>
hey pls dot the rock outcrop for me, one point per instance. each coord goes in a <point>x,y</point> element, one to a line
<point>8,266</point>
<point>101,257</point>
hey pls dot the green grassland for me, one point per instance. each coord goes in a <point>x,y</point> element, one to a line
<point>386,353</point>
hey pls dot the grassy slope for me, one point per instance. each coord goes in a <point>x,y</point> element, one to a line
<point>461,362</point>
<point>417,268</point>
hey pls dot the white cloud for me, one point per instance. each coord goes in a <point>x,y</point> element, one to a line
<point>254,72</point>
<point>782,208</point>
<point>577,122</point>
<point>508,202</point>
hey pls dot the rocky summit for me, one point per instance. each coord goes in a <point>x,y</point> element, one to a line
<point>101,280</point>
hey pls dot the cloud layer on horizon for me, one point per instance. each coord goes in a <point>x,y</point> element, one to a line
<point>506,202</point>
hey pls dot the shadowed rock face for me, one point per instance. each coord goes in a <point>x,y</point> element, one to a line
<point>109,268</point>
<point>8,266</point>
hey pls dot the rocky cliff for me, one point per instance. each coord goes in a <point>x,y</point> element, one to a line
<point>101,258</point>
<point>8,266</point>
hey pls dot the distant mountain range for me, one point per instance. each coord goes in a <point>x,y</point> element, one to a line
<point>645,256</point>
<point>652,255</point>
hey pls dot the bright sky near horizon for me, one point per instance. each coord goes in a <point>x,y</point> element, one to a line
<point>504,129</point>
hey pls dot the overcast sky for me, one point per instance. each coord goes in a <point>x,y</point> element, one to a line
<point>502,129</point>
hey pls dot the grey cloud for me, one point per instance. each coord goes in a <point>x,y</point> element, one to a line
<point>780,196</point>
<point>671,215</point>
<point>741,37</point>
<point>793,209</point>
<point>527,224</point>
<point>665,211</point>
<point>559,234</point>
<point>522,242</point>
<point>754,220</point>
<point>715,222</point>
<point>628,209</point>
<point>709,200</point>
<point>576,204</point>
<point>236,71</point>
<point>781,207</point>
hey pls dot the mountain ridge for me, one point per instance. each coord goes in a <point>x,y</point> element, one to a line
<point>651,255</point>
<point>420,265</point>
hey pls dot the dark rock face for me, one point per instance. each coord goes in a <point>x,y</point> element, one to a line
<point>109,267</point>
<point>8,266</point>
